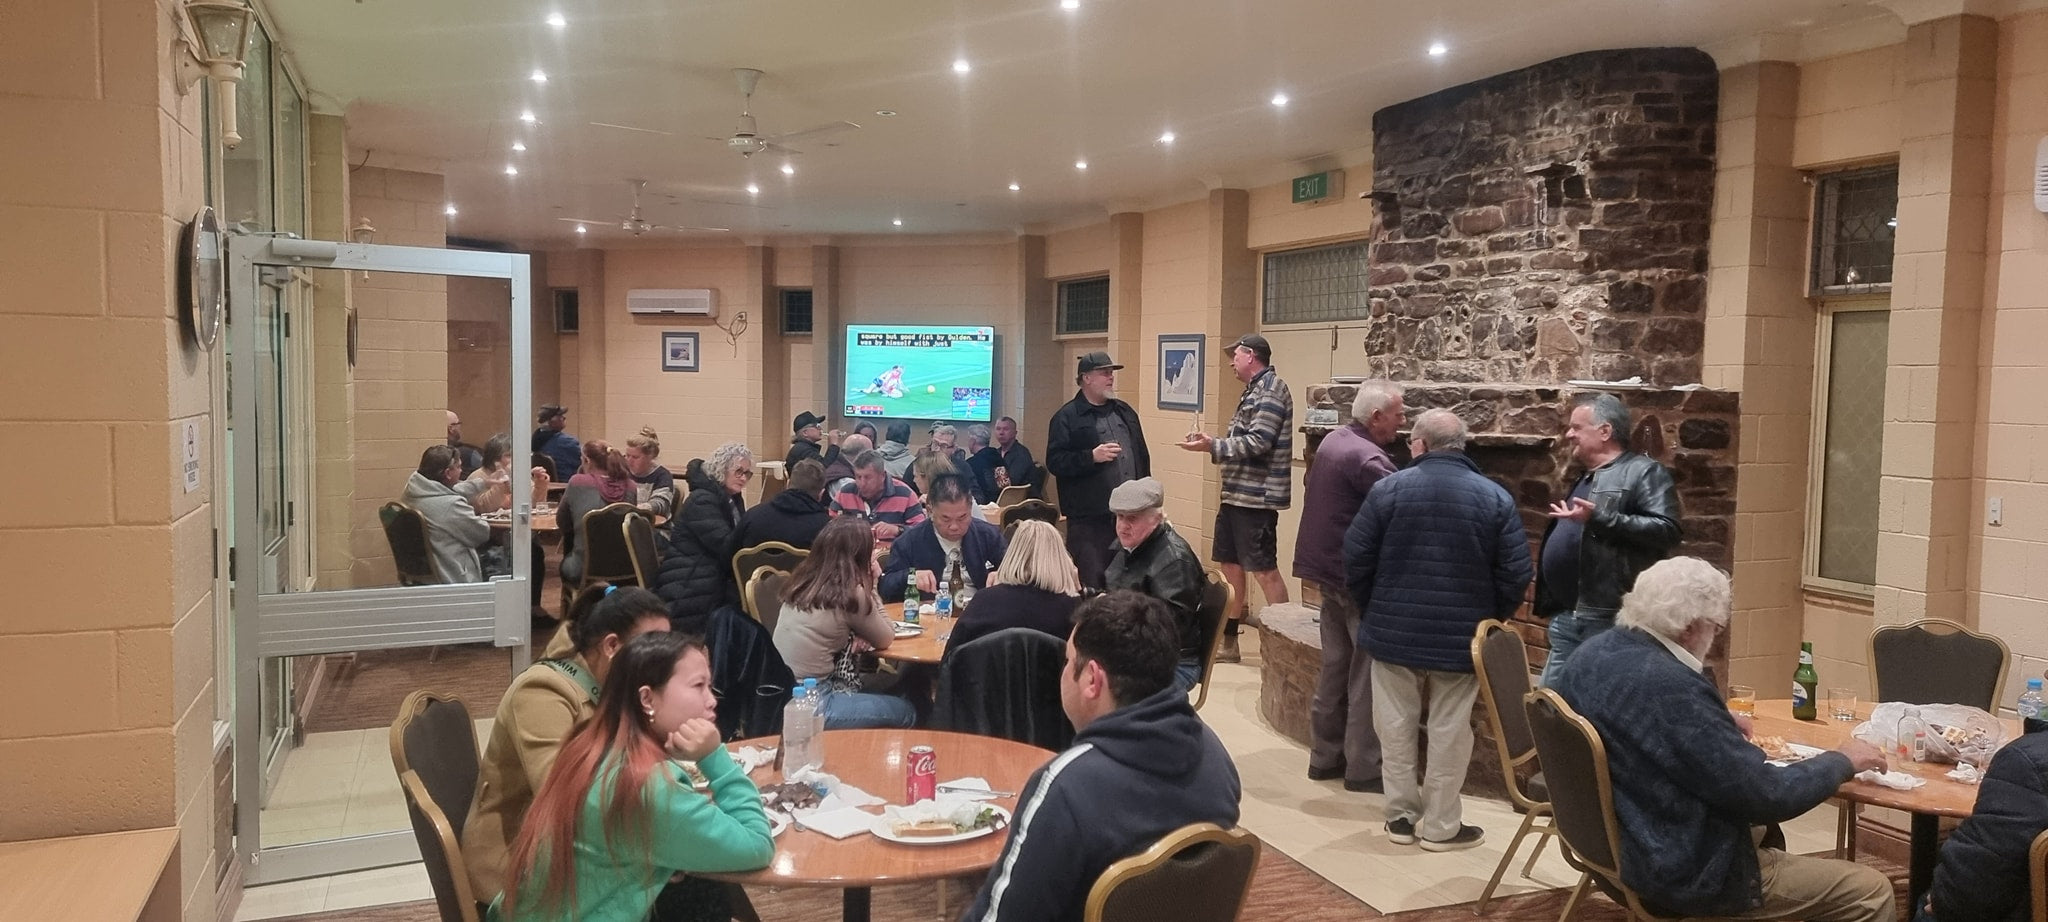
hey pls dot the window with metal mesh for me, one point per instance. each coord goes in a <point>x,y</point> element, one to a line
<point>568,315</point>
<point>796,312</point>
<point>1852,445</point>
<point>1317,284</point>
<point>1084,305</point>
<point>1855,218</point>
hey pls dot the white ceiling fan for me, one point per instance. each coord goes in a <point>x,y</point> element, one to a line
<point>633,223</point>
<point>746,137</point>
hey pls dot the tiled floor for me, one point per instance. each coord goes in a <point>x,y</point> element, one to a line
<point>341,783</point>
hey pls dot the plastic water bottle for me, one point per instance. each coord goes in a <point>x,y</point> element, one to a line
<point>942,601</point>
<point>2031,705</point>
<point>802,730</point>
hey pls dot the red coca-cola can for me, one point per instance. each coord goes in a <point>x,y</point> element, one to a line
<point>920,775</point>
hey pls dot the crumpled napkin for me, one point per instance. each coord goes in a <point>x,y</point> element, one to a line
<point>1899,781</point>
<point>1965,773</point>
<point>752,757</point>
<point>951,808</point>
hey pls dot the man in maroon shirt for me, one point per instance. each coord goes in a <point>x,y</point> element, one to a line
<point>1348,462</point>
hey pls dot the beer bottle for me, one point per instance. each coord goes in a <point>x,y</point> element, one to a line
<point>1804,679</point>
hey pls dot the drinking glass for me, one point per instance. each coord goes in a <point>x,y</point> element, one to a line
<point>1842,703</point>
<point>1742,700</point>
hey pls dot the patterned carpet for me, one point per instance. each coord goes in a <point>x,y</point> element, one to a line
<point>1282,891</point>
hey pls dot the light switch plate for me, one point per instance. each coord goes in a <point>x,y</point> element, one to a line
<point>1997,513</point>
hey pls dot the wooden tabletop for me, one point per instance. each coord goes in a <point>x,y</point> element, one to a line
<point>98,878</point>
<point>872,760</point>
<point>928,647</point>
<point>1940,796</point>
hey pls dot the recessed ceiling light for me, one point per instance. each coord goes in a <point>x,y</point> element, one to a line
<point>519,145</point>
<point>1279,100</point>
<point>1166,138</point>
<point>898,222</point>
<point>449,211</point>
<point>1016,188</point>
<point>558,20</point>
<point>789,169</point>
<point>1437,49</point>
<point>581,229</point>
<point>1070,4</point>
<point>753,189</point>
<point>886,113</point>
<point>1080,164</point>
<point>511,170</point>
<point>538,76</point>
<point>528,117</point>
<point>960,66</point>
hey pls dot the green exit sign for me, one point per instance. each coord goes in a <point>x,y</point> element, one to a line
<point>1316,187</point>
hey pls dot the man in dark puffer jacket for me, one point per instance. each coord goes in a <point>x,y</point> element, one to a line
<point>793,517</point>
<point>1983,872</point>
<point>1435,550</point>
<point>696,574</point>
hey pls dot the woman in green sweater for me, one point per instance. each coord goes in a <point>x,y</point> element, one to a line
<point>617,817</point>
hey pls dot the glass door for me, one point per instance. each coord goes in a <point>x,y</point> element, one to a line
<point>322,658</point>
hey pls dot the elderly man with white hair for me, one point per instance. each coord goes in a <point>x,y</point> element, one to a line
<point>1689,788</point>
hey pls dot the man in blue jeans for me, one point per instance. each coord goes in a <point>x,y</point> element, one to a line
<point>1621,517</point>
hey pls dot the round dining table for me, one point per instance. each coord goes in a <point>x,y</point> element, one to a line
<point>1940,796</point>
<point>873,760</point>
<point>927,647</point>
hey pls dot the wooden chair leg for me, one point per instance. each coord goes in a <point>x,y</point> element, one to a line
<point>1571,906</point>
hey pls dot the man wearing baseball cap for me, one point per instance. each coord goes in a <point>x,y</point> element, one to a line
<point>1257,457</point>
<point>1094,445</point>
<point>804,444</point>
<point>560,447</point>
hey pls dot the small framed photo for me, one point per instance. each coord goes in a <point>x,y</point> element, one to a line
<point>1182,371</point>
<point>679,351</point>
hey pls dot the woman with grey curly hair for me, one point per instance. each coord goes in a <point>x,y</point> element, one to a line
<point>695,577</point>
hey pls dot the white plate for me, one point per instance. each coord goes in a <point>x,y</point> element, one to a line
<point>883,830</point>
<point>776,824</point>
<point>1800,753</point>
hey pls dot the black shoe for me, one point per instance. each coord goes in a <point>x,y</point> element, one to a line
<point>1326,774</point>
<point>1467,837</point>
<point>1401,832</point>
<point>1371,786</point>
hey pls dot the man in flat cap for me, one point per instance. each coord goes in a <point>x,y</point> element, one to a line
<point>1257,456</point>
<point>808,432</point>
<point>1093,446</point>
<point>560,447</point>
<point>1153,559</point>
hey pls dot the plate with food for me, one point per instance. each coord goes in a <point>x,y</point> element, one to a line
<point>1779,751</point>
<point>934,823</point>
<point>794,795</point>
<point>906,629</point>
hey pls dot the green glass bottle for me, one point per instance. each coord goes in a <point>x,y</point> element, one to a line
<point>1804,681</point>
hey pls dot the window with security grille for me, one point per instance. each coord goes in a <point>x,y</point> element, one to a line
<point>1849,444</point>
<point>1084,306</point>
<point>568,317</point>
<point>1855,218</point>
<point>1317,285</point>
<point>796,312</point>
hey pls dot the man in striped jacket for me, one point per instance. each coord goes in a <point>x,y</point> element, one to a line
<point>1142,765</point>
<point>1256,455</point>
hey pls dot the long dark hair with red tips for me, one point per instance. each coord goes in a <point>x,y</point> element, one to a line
<point>541,876</point>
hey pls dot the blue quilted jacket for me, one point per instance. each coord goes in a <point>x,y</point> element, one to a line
<point>1435,550</point>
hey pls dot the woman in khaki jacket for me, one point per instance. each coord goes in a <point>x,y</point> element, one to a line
<point>544,703</point>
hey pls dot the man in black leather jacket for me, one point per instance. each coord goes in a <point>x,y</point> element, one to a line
<point>1621,517</point>
<point>1154,559</point>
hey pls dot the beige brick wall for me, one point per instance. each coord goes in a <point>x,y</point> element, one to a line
<point>401,378</point>
<point>112,682</point>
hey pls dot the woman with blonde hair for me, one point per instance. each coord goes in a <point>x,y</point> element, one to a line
<point>1036,587</point>
<point>695,577</point>
<point>654,487</point>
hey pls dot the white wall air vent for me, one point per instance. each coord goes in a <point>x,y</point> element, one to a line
<point>2041,177</point>
<point>687,302</point>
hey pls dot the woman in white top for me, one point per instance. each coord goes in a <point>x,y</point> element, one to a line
<point>830,610</point>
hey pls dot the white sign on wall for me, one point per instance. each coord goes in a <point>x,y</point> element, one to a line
<point>191,455</point>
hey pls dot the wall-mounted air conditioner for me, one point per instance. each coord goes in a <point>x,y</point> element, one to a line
<point>688,302</point>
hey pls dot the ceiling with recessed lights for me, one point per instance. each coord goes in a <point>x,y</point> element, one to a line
<point>976,116</point>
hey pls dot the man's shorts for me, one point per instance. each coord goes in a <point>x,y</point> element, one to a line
<point>1246,537</point>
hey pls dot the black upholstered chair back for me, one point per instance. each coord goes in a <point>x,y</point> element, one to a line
<point>1198,873</point>
<point>1937,662</point>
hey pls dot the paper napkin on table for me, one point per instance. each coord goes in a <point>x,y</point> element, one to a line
<point>1965,773</point>
<point>752,757</point>
<point>839,823</point>
<point>973,787</point>
<point>949,808</point>
<point>1895,780</point>
<point>847,795</point>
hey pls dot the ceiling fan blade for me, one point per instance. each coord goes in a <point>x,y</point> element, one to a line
<point>709,201</point>
<point>599,221</point>
<point>684,227</point>
<point>630,128</point>
<point>813,131</point>
<point>778,148</point>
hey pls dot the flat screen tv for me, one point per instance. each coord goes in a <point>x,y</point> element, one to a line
<point>920,372</point>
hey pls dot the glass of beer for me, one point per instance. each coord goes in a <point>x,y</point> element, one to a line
<point>1742,700</point>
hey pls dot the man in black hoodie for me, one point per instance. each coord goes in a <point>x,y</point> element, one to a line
<point>793,517</point>
<point>1142,766</point>
<point>1093,445</point>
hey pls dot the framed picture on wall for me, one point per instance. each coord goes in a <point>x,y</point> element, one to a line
<point>1182,371</point>
<point>679,351</point>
